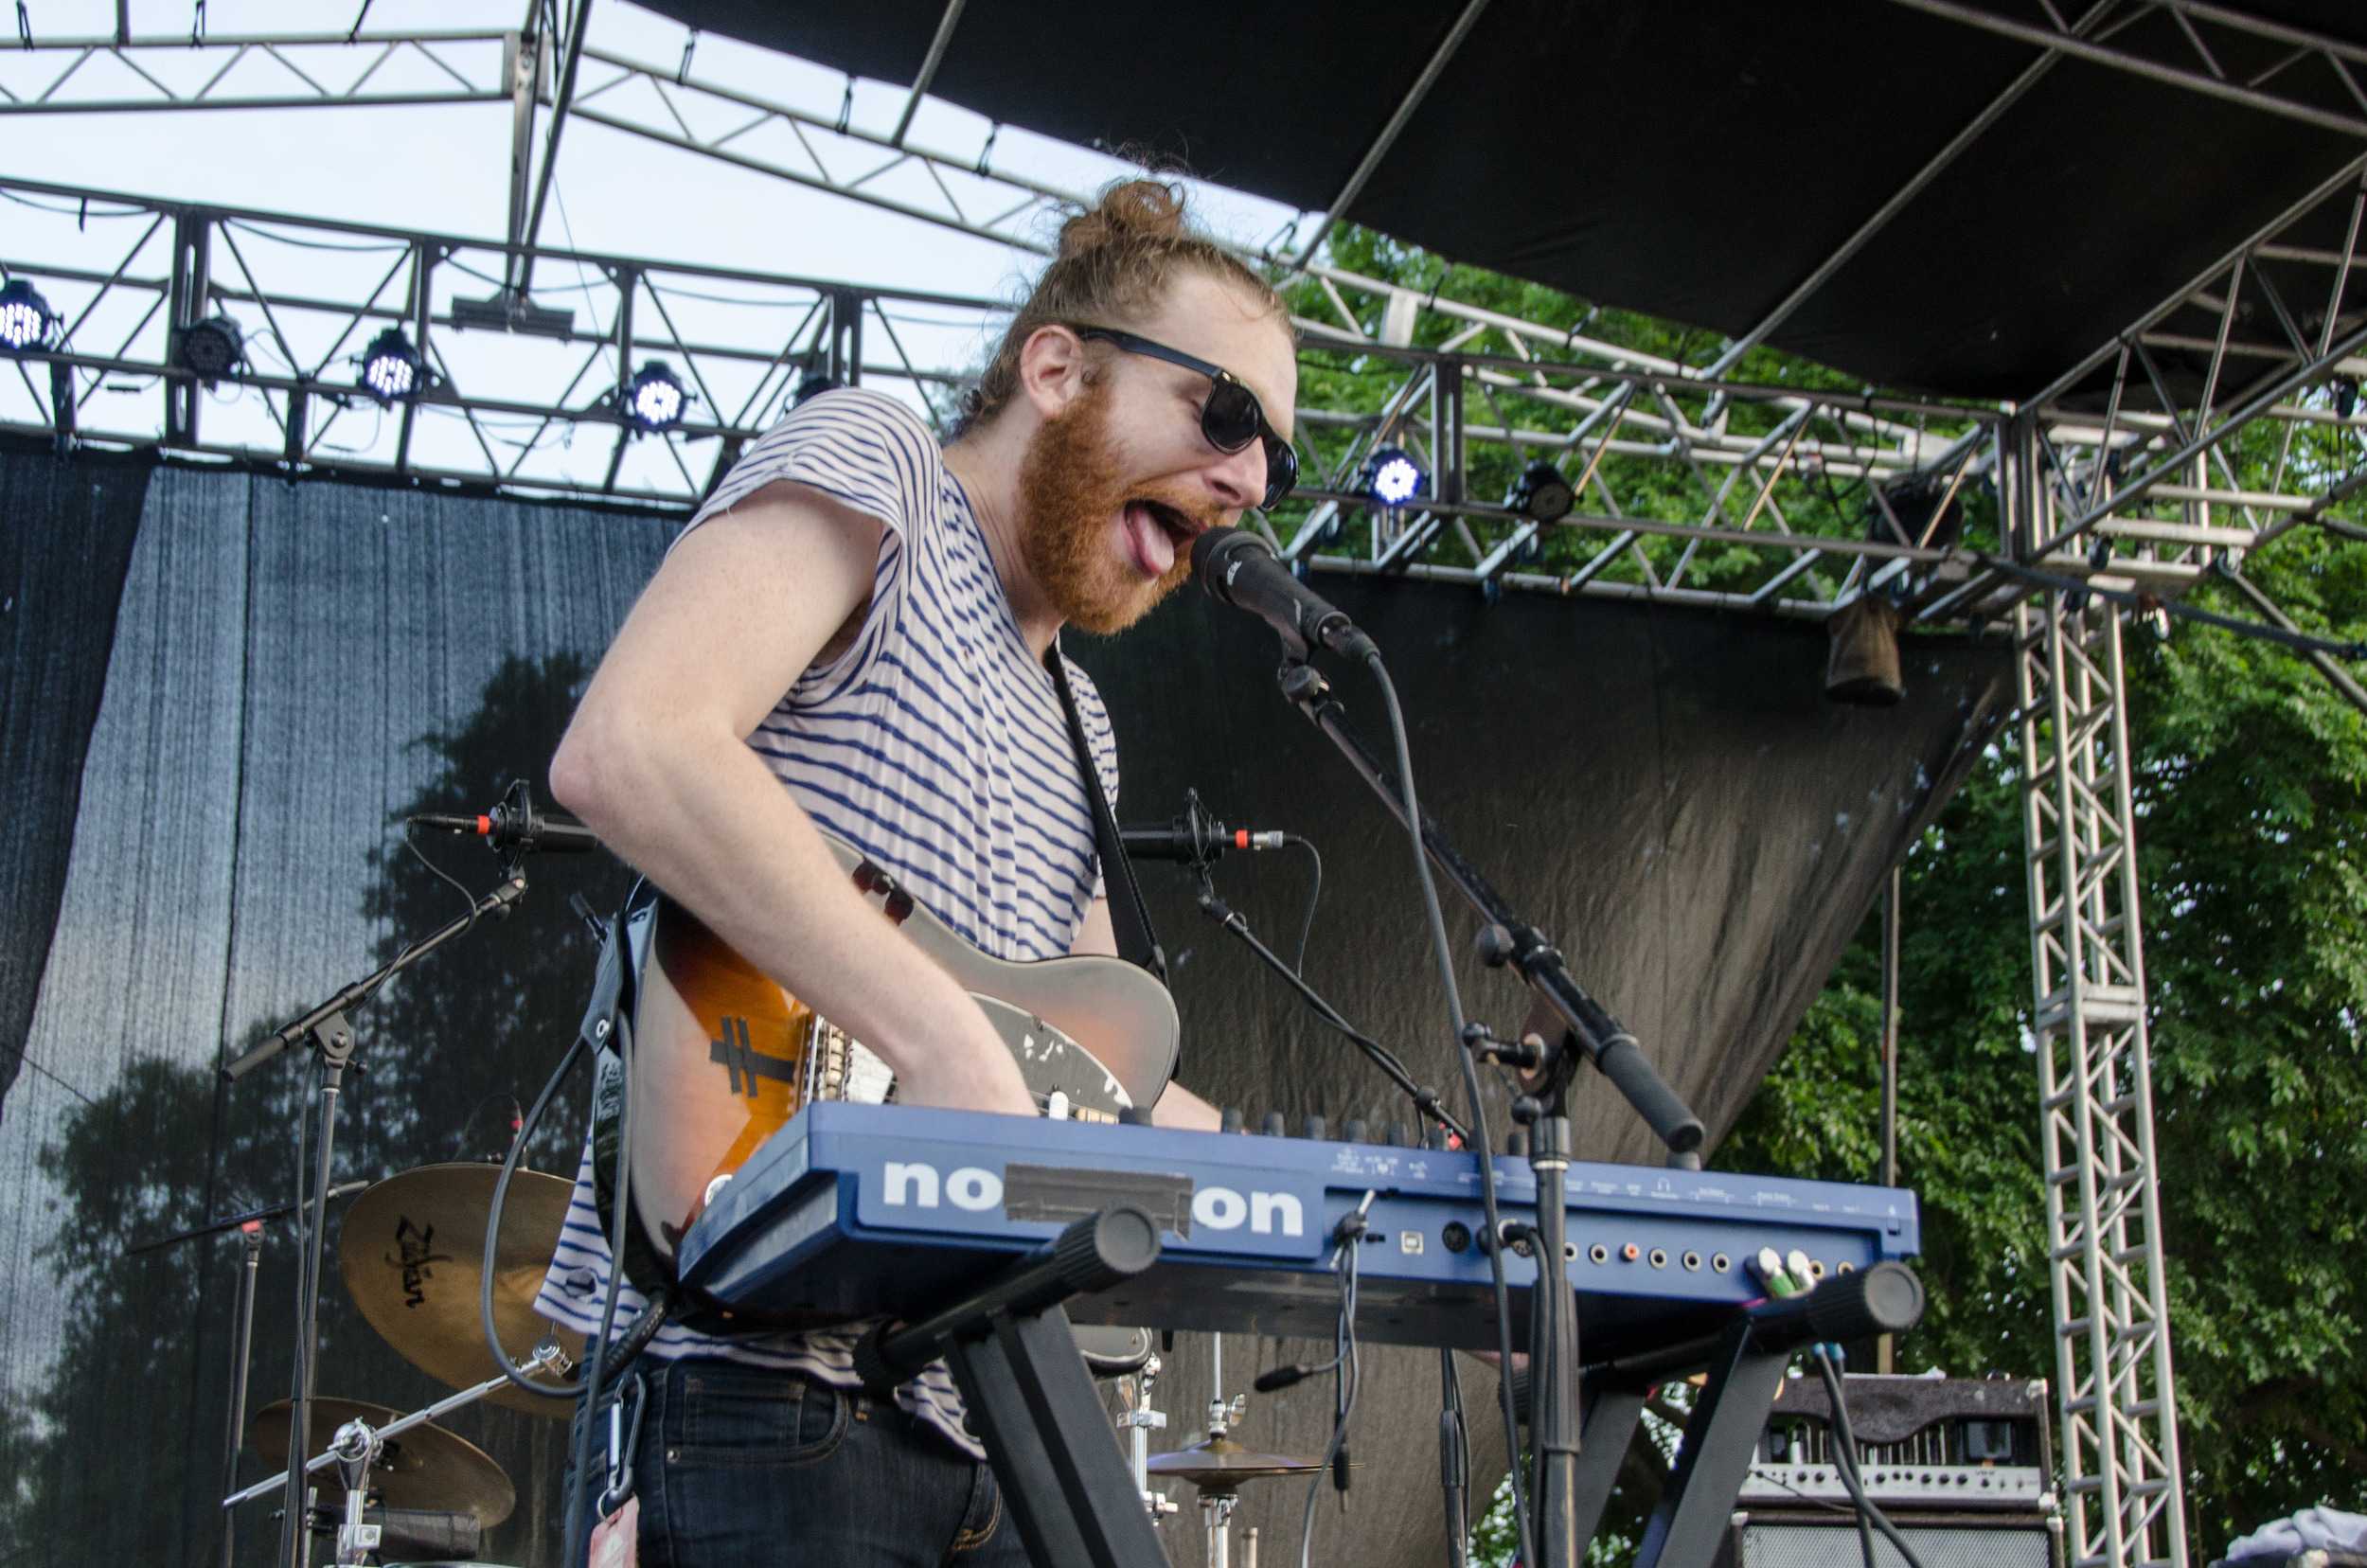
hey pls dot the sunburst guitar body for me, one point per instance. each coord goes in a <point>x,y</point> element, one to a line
<point>722,1057</point>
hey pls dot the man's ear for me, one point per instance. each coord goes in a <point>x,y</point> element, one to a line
<point>1052,369</point>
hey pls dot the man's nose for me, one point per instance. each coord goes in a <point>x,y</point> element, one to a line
<point>1239,482</point>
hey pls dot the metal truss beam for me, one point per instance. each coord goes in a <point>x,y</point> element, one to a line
<point>1745,474</point>
<point>2123,1485</point>
<point>301,66</point>
<point>2199,70</point>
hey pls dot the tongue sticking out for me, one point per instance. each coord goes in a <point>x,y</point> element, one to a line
<point>1154,552</point>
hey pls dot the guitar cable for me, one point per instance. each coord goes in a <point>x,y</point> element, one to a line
<point>1345,1367</point>
<point>1444,950</point>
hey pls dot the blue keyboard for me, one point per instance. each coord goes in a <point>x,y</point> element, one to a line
<point>858,1210</point>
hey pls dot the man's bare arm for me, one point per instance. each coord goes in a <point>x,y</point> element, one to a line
<point>1177,1106</point>
<point>656,761</point>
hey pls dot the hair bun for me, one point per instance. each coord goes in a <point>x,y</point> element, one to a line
<point>1130,212</point>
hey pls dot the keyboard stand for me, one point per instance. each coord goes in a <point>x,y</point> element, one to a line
<point>1746,1365</point>
<point>1030,1399</point>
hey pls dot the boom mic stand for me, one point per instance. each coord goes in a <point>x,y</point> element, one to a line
<point>1546,1069</point>
<point>325,1031</point>
<point>1426,1099</point>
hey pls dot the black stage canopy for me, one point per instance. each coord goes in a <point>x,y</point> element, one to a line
<point>1700,160</point>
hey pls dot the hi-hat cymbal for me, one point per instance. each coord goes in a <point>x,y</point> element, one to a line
<point>1219,1463</point>
<point>413,1254</point>
<point>422,1468</point>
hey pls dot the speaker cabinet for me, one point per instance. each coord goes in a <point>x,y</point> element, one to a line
<point>1763,1538</point>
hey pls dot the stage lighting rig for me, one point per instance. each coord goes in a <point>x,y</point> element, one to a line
<point>391,371</point>
<point>1542,493</point>
<point>1392,477</point>
<point>28,323</point>
<point>213,347</point>
<point>653,401</point>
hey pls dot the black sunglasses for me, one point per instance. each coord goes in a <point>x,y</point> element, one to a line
<point>1231,418</point>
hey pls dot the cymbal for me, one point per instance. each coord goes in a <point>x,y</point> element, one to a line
<point>422,1468</point>
<point>413,1254</point>
<point>1219,1463</point>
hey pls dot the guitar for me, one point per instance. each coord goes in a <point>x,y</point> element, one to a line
<point>722,1057</point>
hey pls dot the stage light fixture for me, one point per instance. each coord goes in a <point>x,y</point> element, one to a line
<point>390,369</point>
<point>213,347</point>
<point>1542,493</point>
<point>26,321</point>
<point>1392,477</point>
<point>654,400</point>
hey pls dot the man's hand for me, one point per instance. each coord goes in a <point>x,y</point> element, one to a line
<point>970,1077</point>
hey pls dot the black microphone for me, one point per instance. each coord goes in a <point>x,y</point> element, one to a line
<point>520,828</point>
<point>1195,836</point>
<point>1240,569</point>
<point>1179,841</point>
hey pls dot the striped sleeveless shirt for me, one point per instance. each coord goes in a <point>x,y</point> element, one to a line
<point>935,744</point>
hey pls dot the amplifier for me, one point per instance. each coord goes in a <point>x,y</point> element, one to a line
<point>1937,1444</point>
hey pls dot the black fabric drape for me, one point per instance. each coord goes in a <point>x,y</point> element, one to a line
<point>66,539</point>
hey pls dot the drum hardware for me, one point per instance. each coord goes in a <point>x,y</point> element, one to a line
<point>249,1224</point>
<point>1218,1466</point>
<point>328,1035</point>
<point>436,1468</point>
<point>1139,1422</point>
<point>412,1253</point>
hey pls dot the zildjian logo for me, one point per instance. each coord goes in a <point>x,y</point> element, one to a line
<point>415,1254</point>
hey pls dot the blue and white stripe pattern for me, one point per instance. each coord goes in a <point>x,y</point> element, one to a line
<point>935,744</point>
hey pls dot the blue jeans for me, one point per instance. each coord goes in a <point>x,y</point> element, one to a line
<point>744,1468</point>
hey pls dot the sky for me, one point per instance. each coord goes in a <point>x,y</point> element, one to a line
<point>445,169</point>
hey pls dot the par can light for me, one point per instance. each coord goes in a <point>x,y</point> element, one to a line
<point>27,321</point>
<point>1392,477</point>
<point>654,400</point>
<point>390,369</point>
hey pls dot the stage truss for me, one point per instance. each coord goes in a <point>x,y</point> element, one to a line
<point>1692,485</point>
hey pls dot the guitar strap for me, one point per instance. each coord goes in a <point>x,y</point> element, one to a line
<point>1129,918</point>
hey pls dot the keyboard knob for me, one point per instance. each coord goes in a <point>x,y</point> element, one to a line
<point>1353,1129</point>
<point>1401,1137</point>
<point>1315,1128</point>
<point>1274,1125</point>
<point>1229,1119</point>
<point>1516,1143</point>
<point>1135,1115</point>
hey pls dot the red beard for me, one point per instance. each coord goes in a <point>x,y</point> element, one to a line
<point>1070,488</point>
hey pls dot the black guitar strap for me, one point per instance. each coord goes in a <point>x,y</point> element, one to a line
<point>1129,918</point>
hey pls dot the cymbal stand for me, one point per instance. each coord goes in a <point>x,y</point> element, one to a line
<point>1139,1422</point>
<point>325,1029</point>
<point>355,1448</point>
<point>548,1357</point>
<point>1216,1508</point>
<point>1216,1518</point>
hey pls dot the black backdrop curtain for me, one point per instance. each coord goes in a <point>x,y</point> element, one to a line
<point>66,538</point>
<point>295,667</point>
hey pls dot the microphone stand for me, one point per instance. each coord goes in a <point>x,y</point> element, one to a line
<point>1547,1068</point>
<point>1425,1098</point>
<point>325,1030</point>
<point>250,1228</point>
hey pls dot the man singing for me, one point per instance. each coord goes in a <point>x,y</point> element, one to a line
<point>851,637</point>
